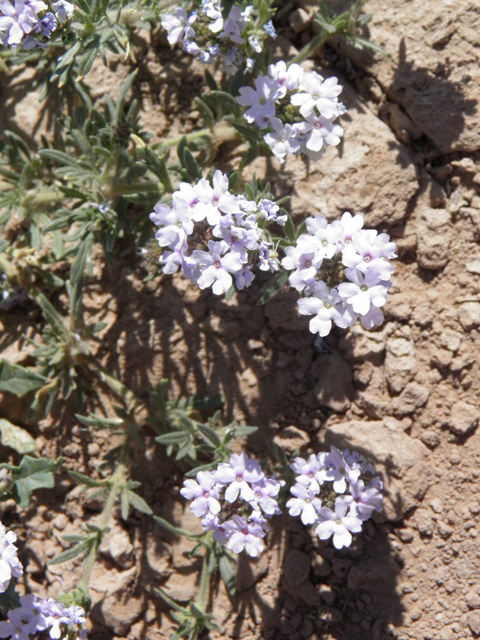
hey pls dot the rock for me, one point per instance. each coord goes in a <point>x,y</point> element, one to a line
<point>121,605</point>
<point>282,313</point>
<point>360,160</point>
<point>433,238</point>
<point>290,439</point>
<point>369,575</point>
<point>118,547</point>
<point>444,529</point>
<point>327,593</point>
<point>464,418</point>
<point>251,570</point>
<point>445,107</point>
<point>473,621</point>
<point>473,600</point>
<point>334,388</point>
<point>400,363</point>
<point>299,20</point>
<point>412,397</point>
<point>399,306</point>
<point>399,459</point>
<point>424,522</point>
<point>474,266</point>
<point>450,339</point>
<point>361,344</point>
<point>469,315</point>
<point>321,566</point>
<point>297,567</point>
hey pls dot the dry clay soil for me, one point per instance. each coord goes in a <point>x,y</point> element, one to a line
<point>405,394</point>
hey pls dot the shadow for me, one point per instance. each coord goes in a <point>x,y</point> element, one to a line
<point>321,592</point>
<point>436,105</point>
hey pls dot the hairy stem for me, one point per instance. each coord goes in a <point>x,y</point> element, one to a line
<point>310,48</point>
<point>118,481</point>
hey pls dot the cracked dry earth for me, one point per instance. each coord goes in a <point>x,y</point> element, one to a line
<point>406,395</point>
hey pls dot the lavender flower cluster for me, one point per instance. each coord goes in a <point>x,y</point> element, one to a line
<point>298,108</point>
<point>334,480</point>
<point>30,23</point>
<point>206,35</point>
<point>343,271</point>
<point>213,235</point>
<point>10,565</point>
<point>235,502</point>
<point>34,614</point>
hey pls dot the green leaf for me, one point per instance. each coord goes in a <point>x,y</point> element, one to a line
<point>205,112</point>
<point>32,474</point>
<point>86,480</point>
<point>9,599</point>
<point>289,226</point>
<point>210,80</point>
<point>73,552</point>
<point>176,530</point>
<point>209,434</point>
<point>139,503</point>
<point>226,8</point>
<point>244,430</point>
<point>279,453</point>
<point>228,573</point>
<point>172,438</point>
<point>273,287</point>
<point>193,170</point>
<point>182,145</point>
<point>16,438</point>
<point>124,504</point>
<point>19,380</point>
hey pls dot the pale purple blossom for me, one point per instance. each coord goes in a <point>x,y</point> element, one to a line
<point>216,266</point>
<point>245,535</point>
<point>204,494</point>
<point>304,503</point>
<point>364,290</point>
<point>317,93</point>
<point>10,565</point>
<point>261,101</point>
<point>239,474</point>
<point>339,523</point>
<point>178,25</point>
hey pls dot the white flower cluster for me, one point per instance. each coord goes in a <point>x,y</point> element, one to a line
<point>213,235</point>
<point>343,270</point>
<point>235,502</point>
<point>297,107</point>
<point>35,615</point>
<point>29,23</point>
<point>206,35</point>
<point>10,565</point>
<point>353,502</point>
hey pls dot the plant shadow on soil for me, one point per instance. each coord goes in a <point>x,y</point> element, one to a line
<point>301,587</point>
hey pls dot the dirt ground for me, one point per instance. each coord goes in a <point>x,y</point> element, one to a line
<point>406,395</point>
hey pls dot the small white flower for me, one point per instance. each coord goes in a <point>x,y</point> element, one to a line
<point>317,93</point>
<point>338,524</point>
<point>305,503</point>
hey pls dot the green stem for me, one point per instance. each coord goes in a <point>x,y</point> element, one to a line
<point>310,48</point>
<point>118,482</point>
<point>201,133</point>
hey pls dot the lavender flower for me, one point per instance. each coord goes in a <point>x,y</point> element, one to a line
<point>342,270</point>
<point>10,565</point>
<point>339,524</point>
<point>335,479</point>
<point>235,502</point>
